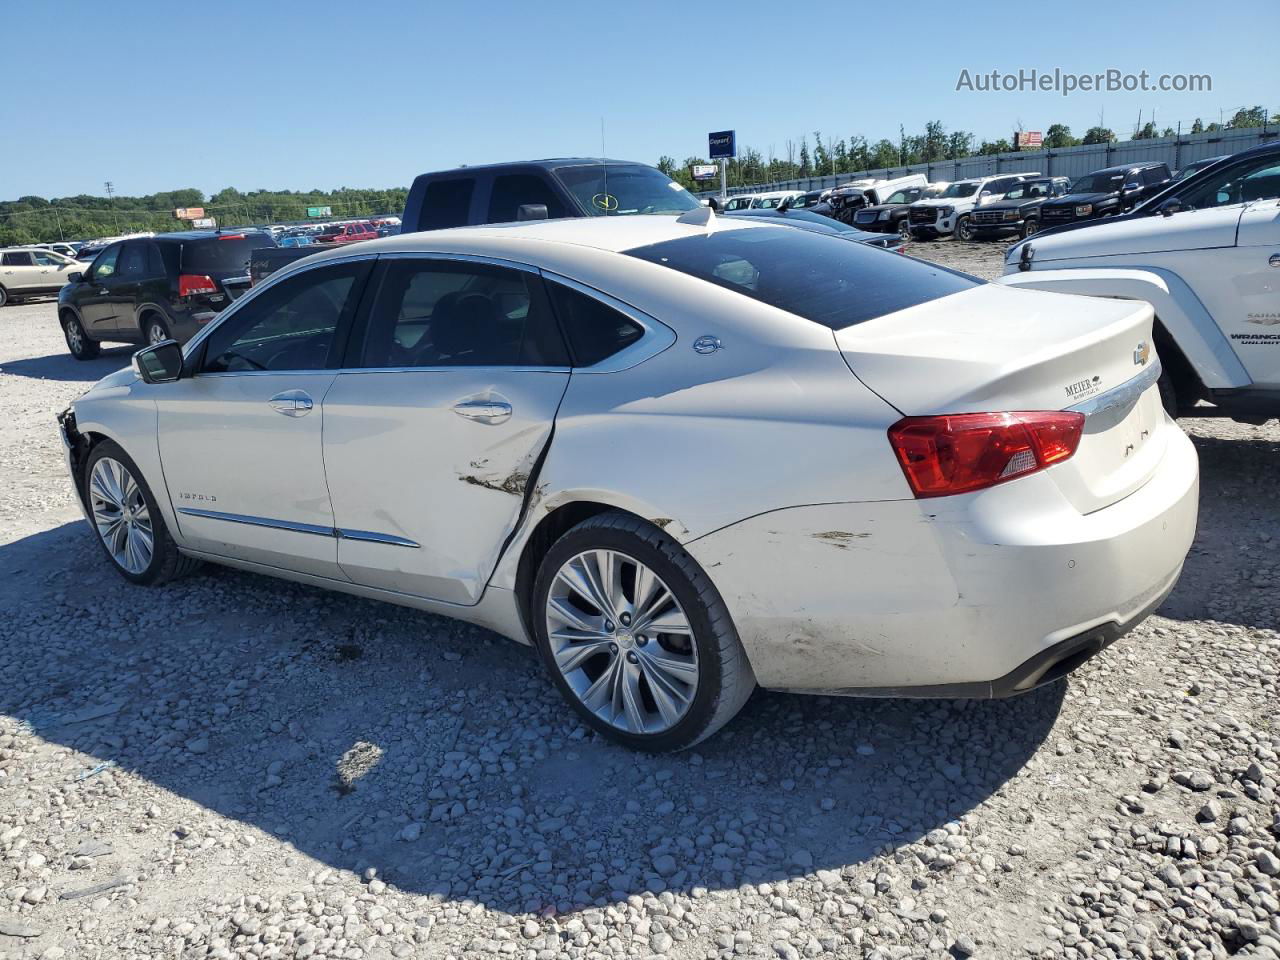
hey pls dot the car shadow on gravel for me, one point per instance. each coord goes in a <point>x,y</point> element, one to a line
<point>63,366</point>
<point>366,735</point>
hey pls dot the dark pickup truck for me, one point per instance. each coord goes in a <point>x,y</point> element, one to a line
<point>530,190</point>
<point>1106,193</point>
<point>1019,210</point>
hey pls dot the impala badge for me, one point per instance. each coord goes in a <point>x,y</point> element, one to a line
<point>1141,354</point>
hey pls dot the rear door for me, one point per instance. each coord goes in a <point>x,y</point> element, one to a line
<point>18,272</point>
<point>436,424</point>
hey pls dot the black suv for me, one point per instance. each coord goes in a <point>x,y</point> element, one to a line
<point>1106,193</point>
<point>1019,209</point>
<point>148,289</point>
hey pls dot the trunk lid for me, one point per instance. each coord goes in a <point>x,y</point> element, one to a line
<point>985,351</point>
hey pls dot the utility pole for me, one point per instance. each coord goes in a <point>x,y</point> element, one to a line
<point>111,191</point>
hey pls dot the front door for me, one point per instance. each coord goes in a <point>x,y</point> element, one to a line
<point>122,289</point>
<point>433,433</point>
<point>93,298</point>
<point>241,439</point>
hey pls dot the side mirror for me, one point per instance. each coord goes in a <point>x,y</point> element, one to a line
<point>531,211</point>
<point>1132,186</point>
<point>159,363</point>
<point>714,204</point>
<point>75,276</point>
<point>1169,206</point>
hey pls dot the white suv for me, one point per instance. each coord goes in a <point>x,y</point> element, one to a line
<point>33,272</point>
<point>1205,253</point>
<point>949,213</point>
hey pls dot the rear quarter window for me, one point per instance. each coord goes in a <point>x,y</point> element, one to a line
<point>227,255</point>
<point>826,279</point>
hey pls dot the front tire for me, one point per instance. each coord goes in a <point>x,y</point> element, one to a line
<point>636,637</point>
<point>904,230</point>
<point>127,521</point>
<point>964,229</point>
<point>4,296</point>
<point>78,342</point>
<point>1029,228</point>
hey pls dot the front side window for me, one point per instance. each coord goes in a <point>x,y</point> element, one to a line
<point>513,190</point>
<point>1098,183</point>
<point>105,265</point>
<point>618,189</point>
<point>1239,183</point>
<point>958,190</point>
<point>20,258</point>
<point>291,326</point>
<point>822,278</point>
<point>437,313</point>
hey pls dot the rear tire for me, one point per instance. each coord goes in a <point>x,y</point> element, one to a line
<point>122,507</point>
<point>1168,393</point>
<point>78,342</point>
<point>662,688</point>
<point>154,329</point>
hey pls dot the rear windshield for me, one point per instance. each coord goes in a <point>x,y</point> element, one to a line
<point>822,278</point>
<point>228,254</point>
<point>616,189</point>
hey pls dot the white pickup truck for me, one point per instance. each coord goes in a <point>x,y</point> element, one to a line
<point>949,212</point>
<point>1205,253</point>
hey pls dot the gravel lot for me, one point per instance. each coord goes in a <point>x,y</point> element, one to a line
<point>238,766</point>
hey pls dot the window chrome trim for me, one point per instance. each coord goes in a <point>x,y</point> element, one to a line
<point>462,258</point>
<point>1124,395</point>
<point>656,338</point>
<point>289,525</point>
<point>364,536</point>
<point>454,368</point>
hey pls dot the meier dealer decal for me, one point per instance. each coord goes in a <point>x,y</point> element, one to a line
<point>1083,388</point>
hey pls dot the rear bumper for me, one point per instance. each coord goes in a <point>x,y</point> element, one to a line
<point>985,594</point>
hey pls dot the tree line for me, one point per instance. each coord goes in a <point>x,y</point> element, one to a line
<point>33,219</point>
<point>827,156</point>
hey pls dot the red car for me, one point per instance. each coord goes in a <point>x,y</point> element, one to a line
<point>347,233</point>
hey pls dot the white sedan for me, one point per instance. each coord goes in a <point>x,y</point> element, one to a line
<point>681,457</point>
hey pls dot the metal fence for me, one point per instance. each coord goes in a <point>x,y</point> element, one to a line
<point>1062,162</point>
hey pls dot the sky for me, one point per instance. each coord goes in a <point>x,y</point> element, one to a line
<point>283,94</point>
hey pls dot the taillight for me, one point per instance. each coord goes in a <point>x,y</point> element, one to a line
<point>190,284</point>
<point>963,452</point>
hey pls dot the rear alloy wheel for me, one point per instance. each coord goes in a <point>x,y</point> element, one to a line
<point>964,228</point>
<point>78,342</point>
<point>636,637</point>
<point>127,520</point>
<point>156,330</point>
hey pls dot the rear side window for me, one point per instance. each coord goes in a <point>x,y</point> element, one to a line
<point>828,280</point>
<point>512,190</point>
<point>226,255</point>
<point>447,204</point>
<point>437,313</point>
<point>595,330</point>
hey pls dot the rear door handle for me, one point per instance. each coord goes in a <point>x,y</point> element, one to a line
<point>292,403</point>
<point>484,411</point>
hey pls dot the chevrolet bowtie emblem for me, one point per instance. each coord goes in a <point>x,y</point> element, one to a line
<point>1141,354</point>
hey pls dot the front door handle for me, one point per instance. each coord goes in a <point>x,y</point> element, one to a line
<point>292,403</point>
<point>484,411</point>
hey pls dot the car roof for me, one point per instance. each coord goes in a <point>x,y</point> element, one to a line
<point>1120,168</point>
<point>545,163</point>
<point>182,236</point>
<point>610,234</point>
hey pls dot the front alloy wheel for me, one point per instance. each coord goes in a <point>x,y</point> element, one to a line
<point>121,516</point>
<point>904,229</point>
<point>964,228</point>
<point>1029,227</point>
<point>78,342</point>
<point>635,635</point>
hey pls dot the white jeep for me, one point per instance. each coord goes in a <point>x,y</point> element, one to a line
<point>1205,253</point>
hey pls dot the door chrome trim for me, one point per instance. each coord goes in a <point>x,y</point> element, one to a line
<point>1121,396</point>
<point>289,525</point>
<point>368,536</point>
<point>365,536</point>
